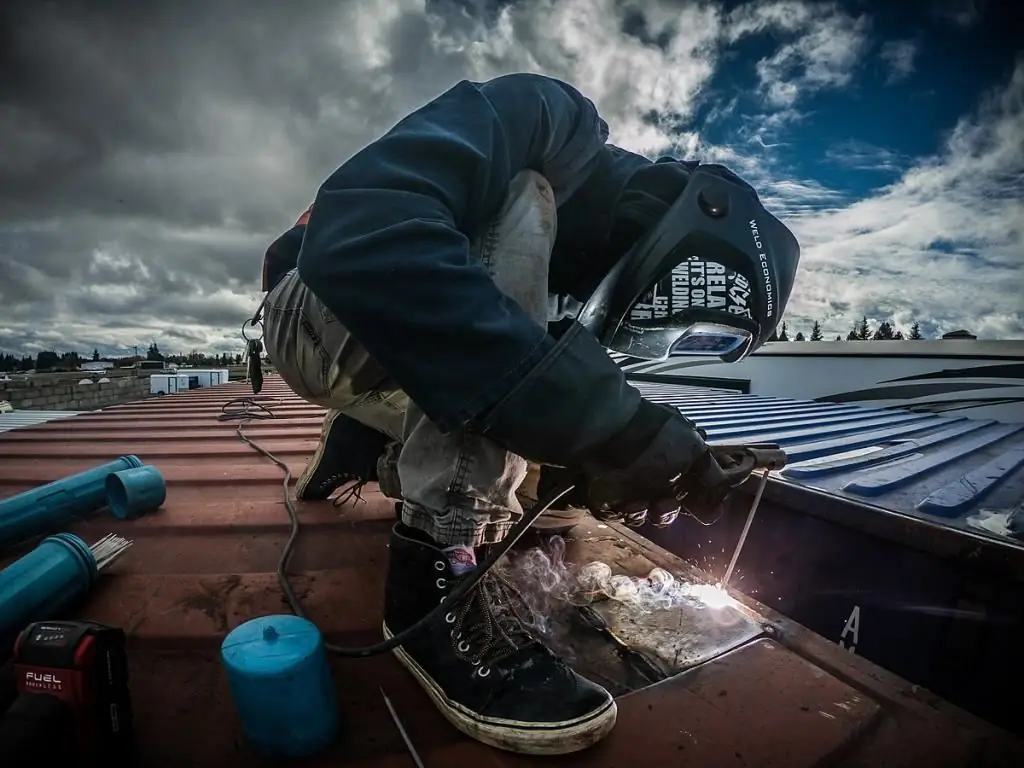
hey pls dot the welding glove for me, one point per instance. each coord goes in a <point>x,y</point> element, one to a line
<point>658,465</point>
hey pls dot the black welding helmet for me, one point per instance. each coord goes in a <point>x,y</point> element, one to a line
<point>712,277</point>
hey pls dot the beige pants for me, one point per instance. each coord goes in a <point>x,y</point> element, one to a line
<point>459,488</point>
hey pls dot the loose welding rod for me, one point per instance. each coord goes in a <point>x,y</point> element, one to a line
<point>401,731</point>
<point>108,549</point>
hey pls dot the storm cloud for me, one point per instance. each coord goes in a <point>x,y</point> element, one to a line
<point>151,151</point>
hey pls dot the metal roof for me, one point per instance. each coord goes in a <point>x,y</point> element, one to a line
<point>205,562</point>
<point>955,472</point>
<point>17,419</point>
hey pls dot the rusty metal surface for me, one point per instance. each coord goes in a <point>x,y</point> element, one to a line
<point>205,562</point>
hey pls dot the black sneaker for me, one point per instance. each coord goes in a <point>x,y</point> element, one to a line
<point>480,665</point>
<point>347,451</point>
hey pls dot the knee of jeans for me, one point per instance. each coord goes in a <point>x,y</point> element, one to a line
<point>532,189</point>
<point>535,186</point>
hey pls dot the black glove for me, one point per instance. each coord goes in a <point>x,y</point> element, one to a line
<point>655,467</point>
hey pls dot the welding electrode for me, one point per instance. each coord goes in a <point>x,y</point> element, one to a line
<point>51,578</point>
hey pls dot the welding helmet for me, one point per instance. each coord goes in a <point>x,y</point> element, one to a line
<point>712,277</point>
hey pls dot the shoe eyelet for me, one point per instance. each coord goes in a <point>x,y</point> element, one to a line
<point>463,646</point>
<point>483,672</point>
<point>450,618</point>
<point>439,565</point>
<point>442,599</point>
<point>441,583</point>
<point>476,663</point>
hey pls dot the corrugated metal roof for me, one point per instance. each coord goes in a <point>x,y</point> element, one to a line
<point>205,562</point>
<point>956,472</point>
<point>17,419</point>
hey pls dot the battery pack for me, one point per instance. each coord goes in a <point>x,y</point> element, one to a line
<point>83,665</point>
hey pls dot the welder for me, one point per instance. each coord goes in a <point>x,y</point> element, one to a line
<point>451,296</point>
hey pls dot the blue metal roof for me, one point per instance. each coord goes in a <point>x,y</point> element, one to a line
<point>957,472</point>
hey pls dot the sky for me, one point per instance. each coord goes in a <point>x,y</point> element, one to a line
<point>149,152</point>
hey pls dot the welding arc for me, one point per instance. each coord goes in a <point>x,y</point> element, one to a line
<point>246,409</point>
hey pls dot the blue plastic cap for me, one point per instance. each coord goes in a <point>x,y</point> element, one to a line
<point>270,645</point>
<point>134,492</point>
<point>281,686</point>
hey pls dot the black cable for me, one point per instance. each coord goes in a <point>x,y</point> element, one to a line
<point>246,410</point>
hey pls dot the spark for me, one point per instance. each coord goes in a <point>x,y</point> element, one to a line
<point>714,596</point>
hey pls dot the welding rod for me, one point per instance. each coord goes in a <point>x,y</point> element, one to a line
<point>401,731</point>
<point>746,529</point>
<point>108,549</point>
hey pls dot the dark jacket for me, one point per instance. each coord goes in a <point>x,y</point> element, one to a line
<point>386,248</point>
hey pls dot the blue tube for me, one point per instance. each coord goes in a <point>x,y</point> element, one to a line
<point>281,685</point>
<point>43,583</point>
<point>51,506</point>
<point>134,492</point>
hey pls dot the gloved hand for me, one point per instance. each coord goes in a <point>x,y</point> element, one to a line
<point>655,467</point>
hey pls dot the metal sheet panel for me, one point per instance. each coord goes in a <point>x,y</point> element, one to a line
<point>961,473</point>
<point>18,419</point>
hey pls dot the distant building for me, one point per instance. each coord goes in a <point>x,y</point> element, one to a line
<point>96,365</point>
<point>961,334</point>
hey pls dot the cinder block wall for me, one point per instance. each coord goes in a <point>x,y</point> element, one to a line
<point>28,395</point>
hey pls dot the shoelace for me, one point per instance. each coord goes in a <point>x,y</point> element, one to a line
<point>353,491</point>
<point>489,624</point>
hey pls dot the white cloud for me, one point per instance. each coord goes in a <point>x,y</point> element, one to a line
<point>943,244</point>
<point>864,156</point>
<point>871,256</point>
<point>962,13</point>
<point>899,56</point>
<point>823,50</point>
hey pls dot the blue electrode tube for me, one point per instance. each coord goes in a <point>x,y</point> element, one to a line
<point>51,506</point>
<point>43,583</point>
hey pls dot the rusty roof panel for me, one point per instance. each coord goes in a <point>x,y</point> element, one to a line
<point>205,562</point>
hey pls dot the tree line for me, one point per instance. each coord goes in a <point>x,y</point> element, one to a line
<point>71,361</point>
<point>50,360</point>
<point>861,331</point>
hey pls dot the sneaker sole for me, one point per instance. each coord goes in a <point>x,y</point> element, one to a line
<point>514,735</point>
<point>314,463</point>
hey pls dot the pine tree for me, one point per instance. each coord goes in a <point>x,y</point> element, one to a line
<point>863,331</point>
<point>816,331</point>
<point>838,337</point>
<point>783,336</point>
<point>884,331</point>
<point>799,336</point>
<point>915,332</point>
<point>898,336</point>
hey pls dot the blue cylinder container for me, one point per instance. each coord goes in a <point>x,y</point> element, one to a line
<point>43,583</point>
<point>49,507</point>
<point>134,492</point>
<point>281,686</point>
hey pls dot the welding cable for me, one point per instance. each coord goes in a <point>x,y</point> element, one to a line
<point>246,410</point>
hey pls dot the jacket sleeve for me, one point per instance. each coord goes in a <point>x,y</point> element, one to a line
<point>386,247</point>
